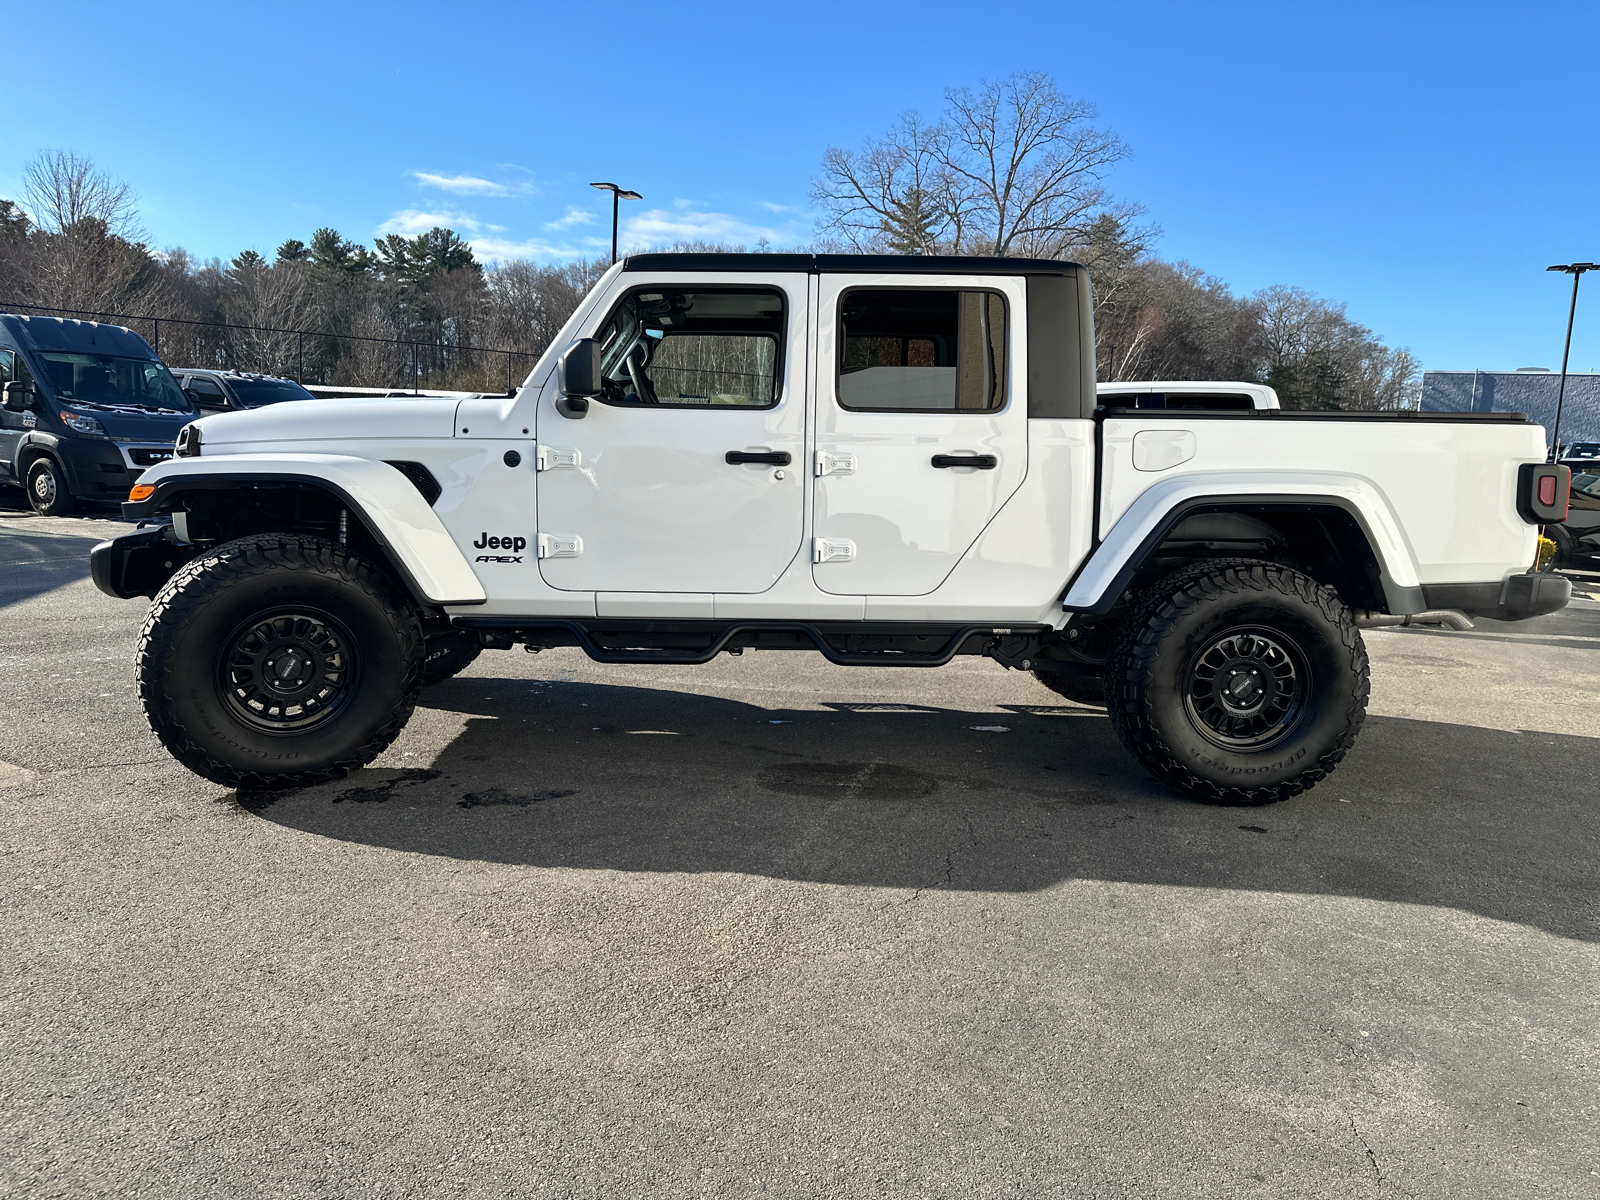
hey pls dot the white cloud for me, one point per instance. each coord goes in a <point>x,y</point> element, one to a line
<point>776,208</point>
<point>412,221</point>
<point>472,185</point>
<point>575,216</point>
<point>496,250</point>
<point>684,223</point>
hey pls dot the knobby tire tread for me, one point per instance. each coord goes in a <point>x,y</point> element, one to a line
<point>1152,617</point>
<point>190,589</point>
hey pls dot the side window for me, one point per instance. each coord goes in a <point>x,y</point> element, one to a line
<point>209,391</point>
<point>922,350</point>
<point>711,347</point>
<point>14,367</point>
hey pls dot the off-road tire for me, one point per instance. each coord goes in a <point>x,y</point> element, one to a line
<point>47,489</point>
<point>1084,689</point>
<point>1158,694</point>
<point>448,654</point>
<point>204,614</point>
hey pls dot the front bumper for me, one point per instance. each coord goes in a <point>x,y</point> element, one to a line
<point>138,563</point>
<point>1515,598</point>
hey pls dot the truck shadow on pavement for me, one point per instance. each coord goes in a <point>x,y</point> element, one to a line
<point>592,776</point>
<point>35,562</point>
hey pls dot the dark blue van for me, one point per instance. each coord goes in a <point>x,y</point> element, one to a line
<point>86,408</point>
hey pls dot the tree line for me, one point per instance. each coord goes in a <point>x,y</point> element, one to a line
<point>1014,168</point>
<point>331,310</point>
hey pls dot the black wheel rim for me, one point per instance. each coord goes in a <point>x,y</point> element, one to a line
<point>288,672</point>
<point>1246,688</point>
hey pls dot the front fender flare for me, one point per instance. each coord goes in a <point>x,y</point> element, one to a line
<point>1148,520</point>
<point>389,504</point>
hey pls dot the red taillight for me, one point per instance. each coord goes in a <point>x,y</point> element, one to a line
<point>1547,491</point>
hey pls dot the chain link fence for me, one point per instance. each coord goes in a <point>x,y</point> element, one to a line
<point>313,356</point>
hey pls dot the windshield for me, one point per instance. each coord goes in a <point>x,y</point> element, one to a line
<point>112,381</point>
<point>253,393</point>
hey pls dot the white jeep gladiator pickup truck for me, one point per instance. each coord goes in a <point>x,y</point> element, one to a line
<point>890,461</point>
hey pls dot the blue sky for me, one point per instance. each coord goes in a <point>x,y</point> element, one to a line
<point>1422,163</point>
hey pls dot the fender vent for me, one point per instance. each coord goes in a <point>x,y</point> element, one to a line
<point>421,478</point>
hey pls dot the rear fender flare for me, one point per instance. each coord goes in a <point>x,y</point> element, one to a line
<point>421,550</point>
<point>1098,586</point>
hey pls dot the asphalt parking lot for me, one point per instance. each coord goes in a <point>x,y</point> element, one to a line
<point>776,928</point>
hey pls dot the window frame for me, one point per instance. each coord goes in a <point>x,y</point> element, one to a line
<point>839,343</point>
<point>780,360</point>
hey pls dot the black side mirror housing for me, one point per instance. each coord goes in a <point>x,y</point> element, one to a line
<point>18,396</point>
<point>578,378</point>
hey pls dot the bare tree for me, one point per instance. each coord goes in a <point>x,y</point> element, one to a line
<point>895,193</point>
<point>1014,168</point>
<point>260,299</point>
<point>61,189</point>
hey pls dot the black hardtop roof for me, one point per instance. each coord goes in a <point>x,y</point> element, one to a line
<point>77,337</point>
<point>876,264</point>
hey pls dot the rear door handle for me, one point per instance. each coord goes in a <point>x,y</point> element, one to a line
<point>776,458</point>
<point>984,462</point>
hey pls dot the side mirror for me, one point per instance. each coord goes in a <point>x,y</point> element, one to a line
<point>194,396</point>
<point>578,378</point>
<point>18,396</point>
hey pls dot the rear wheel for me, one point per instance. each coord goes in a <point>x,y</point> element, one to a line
<point>1238,683</point>
<point>47,489</point>
<point>278,660</point>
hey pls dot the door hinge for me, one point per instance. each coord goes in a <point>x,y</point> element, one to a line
<point>551,457</point>
<point>833,464</point>
<point>560,545</point>
<point>832,550</point>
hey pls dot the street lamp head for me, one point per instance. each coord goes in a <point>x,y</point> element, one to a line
<point>1574,268</point>
<point>611,187</point>
<point>629,196</point>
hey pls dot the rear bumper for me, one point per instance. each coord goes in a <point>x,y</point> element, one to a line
<point>1515,598</point>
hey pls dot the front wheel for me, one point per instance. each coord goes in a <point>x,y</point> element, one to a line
<point>1238,683</point>
<point>278,660</point>
<point>47,489</point>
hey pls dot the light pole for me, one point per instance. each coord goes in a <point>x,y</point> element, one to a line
<point>1576,270</point>
<point>616,195</point>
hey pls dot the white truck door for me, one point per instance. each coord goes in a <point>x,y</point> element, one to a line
<point>917,375</point>
<point>689,474</point>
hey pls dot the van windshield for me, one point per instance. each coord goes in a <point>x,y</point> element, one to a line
<point>112,381</point>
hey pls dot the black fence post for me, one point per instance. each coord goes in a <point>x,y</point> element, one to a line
<point>300,373</point>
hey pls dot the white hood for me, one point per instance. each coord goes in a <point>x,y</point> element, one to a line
<point>323,420</point>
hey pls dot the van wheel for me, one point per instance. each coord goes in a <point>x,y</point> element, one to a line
<point>278,660</point>
<point>47,489</point>
<point>1238,682</point>
<point>448,654</point>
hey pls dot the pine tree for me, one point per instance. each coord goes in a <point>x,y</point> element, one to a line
<point>912,224</point>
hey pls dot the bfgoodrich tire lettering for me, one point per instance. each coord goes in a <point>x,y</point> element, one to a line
<point>1238,682</point>
<point>325,625</point>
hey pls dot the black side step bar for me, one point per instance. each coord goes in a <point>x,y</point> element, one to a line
<point>722,636</point>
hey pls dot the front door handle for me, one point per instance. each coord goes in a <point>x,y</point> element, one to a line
<point>984,462</point>
<point>776,458</point>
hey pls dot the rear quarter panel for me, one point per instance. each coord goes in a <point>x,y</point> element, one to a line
<point>1451,485</point>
